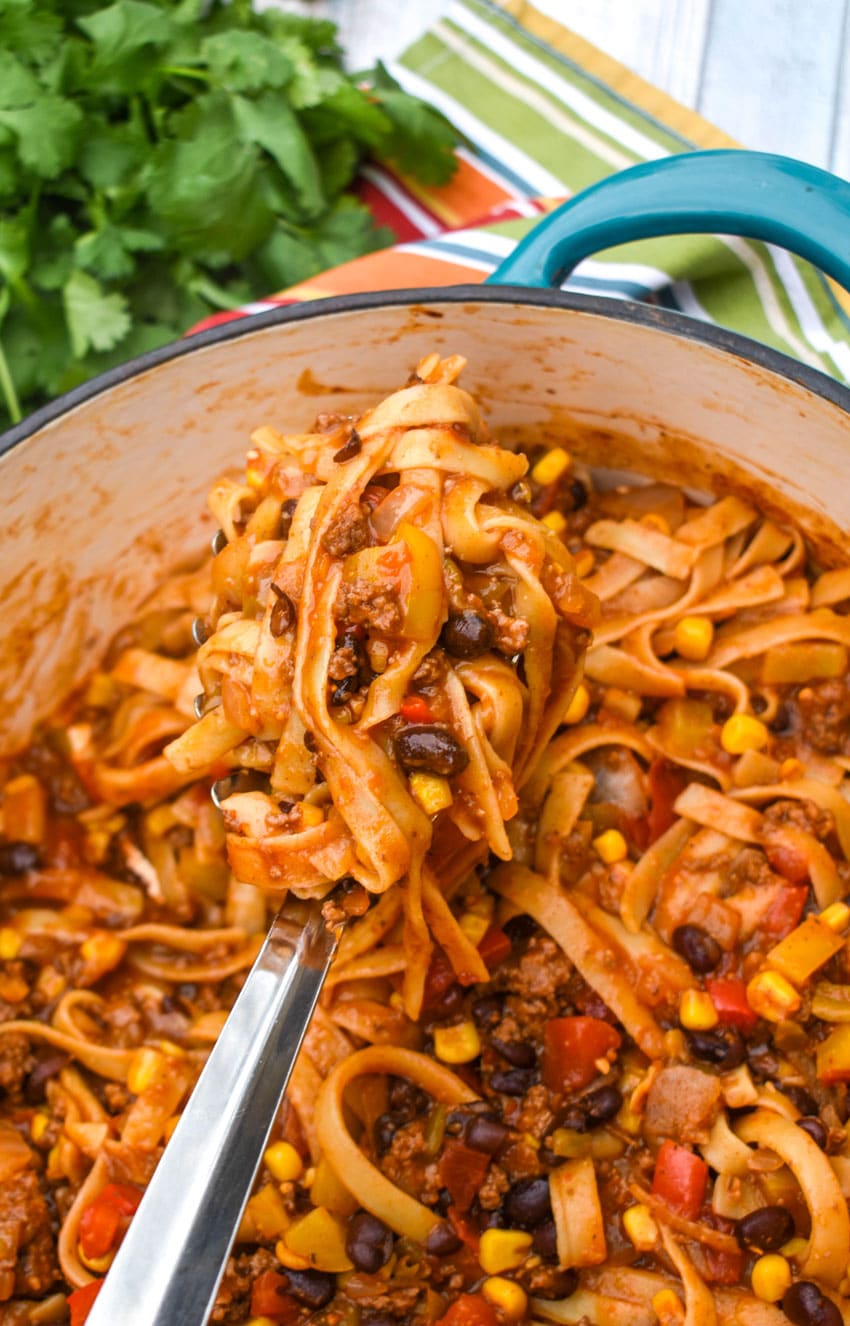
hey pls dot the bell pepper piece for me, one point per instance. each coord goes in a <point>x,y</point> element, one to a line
<point>680,1179</point>
<point>494,947</point>
<point>269,1298</point>
<point>800,954</point>
<point>833,1057</point>
<point>81,1302</point>
<point>416,710</point>
<point>469,1310</point>
<point>729,996</point>
<point>571,1049</point>
<point>462,1171</point>
<point>99,1226</point>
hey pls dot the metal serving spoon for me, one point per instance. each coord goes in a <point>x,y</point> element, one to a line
<point>167,1270</point>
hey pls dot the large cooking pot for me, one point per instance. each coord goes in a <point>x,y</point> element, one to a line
<point>104,488</point>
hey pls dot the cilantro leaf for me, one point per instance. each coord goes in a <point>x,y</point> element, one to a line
<point>246,61</point>
<point>18,86</point>
<point>271,124</point>
<point>125,28</point>
<point>14,248</point>
<point>108,252</point>
<point>422,142</point>
<point>95,319</point>
<point>47,134</point>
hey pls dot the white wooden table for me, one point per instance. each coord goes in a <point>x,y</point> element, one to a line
<point>775,74</point>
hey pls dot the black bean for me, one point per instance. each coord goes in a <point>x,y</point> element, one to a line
<point>442,1240</point>
<point>700,951</point>
<point>514,1083</point>
<point>467,635</point>
<point>18,858</point>
<point>758,703</point>
<point>782,723</point>
<point>287,511</point>
<point>602,1104</point>
<point>446,1004</point>
<point>344,690</point>
<point>799,1096</point>
<point>200,631</point>
<point>406,1100</point>
<point>282,614</point>
<point>765,1229</point>
<point>805,1305</point>
<point>520,927</point>
<point>368,1242</point>
<point>527,1203</point>
<point>218,542</point>
<point>488,1010</point>
<point>561,1284</point>
<point>518,1053</point>
<point>314,1289</point>
<point>812,1125</point>
<point>546,1240</point>
<point>349,449</point>
<point>377,1319</point>
<point>578,492</point>
<point>485,1134</point>
<point>36,1081</point>
<point>434,749</point>
<point>726,1048</point>
<point>385,1131</point>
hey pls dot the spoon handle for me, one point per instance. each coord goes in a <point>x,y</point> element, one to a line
<point>169,1266</point>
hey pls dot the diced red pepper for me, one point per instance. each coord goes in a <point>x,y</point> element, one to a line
<point>269,1298</point>
<point>99,1226</point>
<point>82,1300</point>
<point>666,781</point>
<point>416,710</point>
<point>469,1310</point>
<point>439,977</point>
<point>462,1172</point>
<point>680,1179</point>
<point>784,914</point>
<point>729,996</point>
<point>123,1197</point>
<point>571,1048</point>
<point>494,947</point>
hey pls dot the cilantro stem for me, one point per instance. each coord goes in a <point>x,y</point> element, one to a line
<point>7,387</point>
<point>184,71</point>
<point>213,294</point>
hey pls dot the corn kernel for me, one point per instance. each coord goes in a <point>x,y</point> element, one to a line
<point>10,943</point>
<point>693,637</point>
<point>771,996</point>
<point>570,1143</point>
<point>38,1125</point>
<point>770,1277</point>
<point>696,1011</point>
<point>506,1295</point>
<point>99,1265</point>
<point>503,1249</point>
<point>311,816</point>
<point>554,521</point>
<point>790,769</point>
<point>474,927</point>
<point>103,951</point>
<point>654,520</point>
<point>667,1307</point>
<point>837,917</point>
<point>459,1044</point>
<point>585,562</point>
<point>551,466</point>
<point>397,1001</point>
<point>261,1321</point>
<point>146,1067</point>
<point>611,846</point>
<point>742,732</point>
<point>640,1228</point>
<point>431,791</point>
<point>797,1248</point>
<point>283,1162</point>
<point>172,1048</point>
<point>578,705</point>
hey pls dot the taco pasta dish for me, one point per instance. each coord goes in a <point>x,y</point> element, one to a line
<point>567,760</point>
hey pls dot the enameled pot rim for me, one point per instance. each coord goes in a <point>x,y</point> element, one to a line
<point>629,311</point>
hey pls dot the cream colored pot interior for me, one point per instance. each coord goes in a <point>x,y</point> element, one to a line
<point>102,502</point>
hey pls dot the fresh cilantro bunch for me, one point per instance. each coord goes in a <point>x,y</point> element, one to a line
<point>161,160</point>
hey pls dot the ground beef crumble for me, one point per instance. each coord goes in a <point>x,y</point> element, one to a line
<point>347,534</point>
<point>27,1261</point>
<point>362,602</point>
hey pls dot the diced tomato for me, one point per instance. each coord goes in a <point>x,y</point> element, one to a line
<point>729,996</point>
<point>82,1300</point>
<point>99,1226</point>
<point>269,1298</point>
<point>571,1048</point>
<point>416,710</point>
<point>680,1179</point>
<point>440,976</point>
<point>122,1196</point>
<point>666,781</point>
<point>462,1172</point>
<point>784,914</point>
<point>469,1310</point>
<point>721,1267</point>
<point>494,947</point>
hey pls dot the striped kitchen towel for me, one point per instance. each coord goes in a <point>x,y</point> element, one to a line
<point>546,114</point>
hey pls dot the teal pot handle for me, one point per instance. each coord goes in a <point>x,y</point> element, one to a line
<point>771,198</point>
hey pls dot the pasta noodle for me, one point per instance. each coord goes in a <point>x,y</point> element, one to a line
<point>570,763</point>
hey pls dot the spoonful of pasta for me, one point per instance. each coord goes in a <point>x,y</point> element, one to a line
<point>395,635</point>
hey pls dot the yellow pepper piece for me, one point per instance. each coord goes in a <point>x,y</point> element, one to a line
<point>474,927</point>
<point>423,592</point>
<point>267,1213</point>
<point>506,1295</point>
<point>807,948</point>
<point>611,846</point>
<point>693,637</point>
<point>503,1249</point>
<point>326,1190</point>
<point>584,563</point>
<point>742,732</point>
<point>696,1011</point>
<point>311,816</point>
<point>431,791</point>
<point>833,1056</point>
<point>640,1228</point>
<point>836,916</point>
<point>38,1125</point>
<point>283,1162</point>
<point>578,705</point>
<point>555,521</point>
<point>459,1044</point>
<point>102,950</point>
<point>147,1066</point>
<point>770,1277</point>
<point>550,467</point>
<point>320,1238</point>
<point>10,943</point>
<point>773,997</point>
